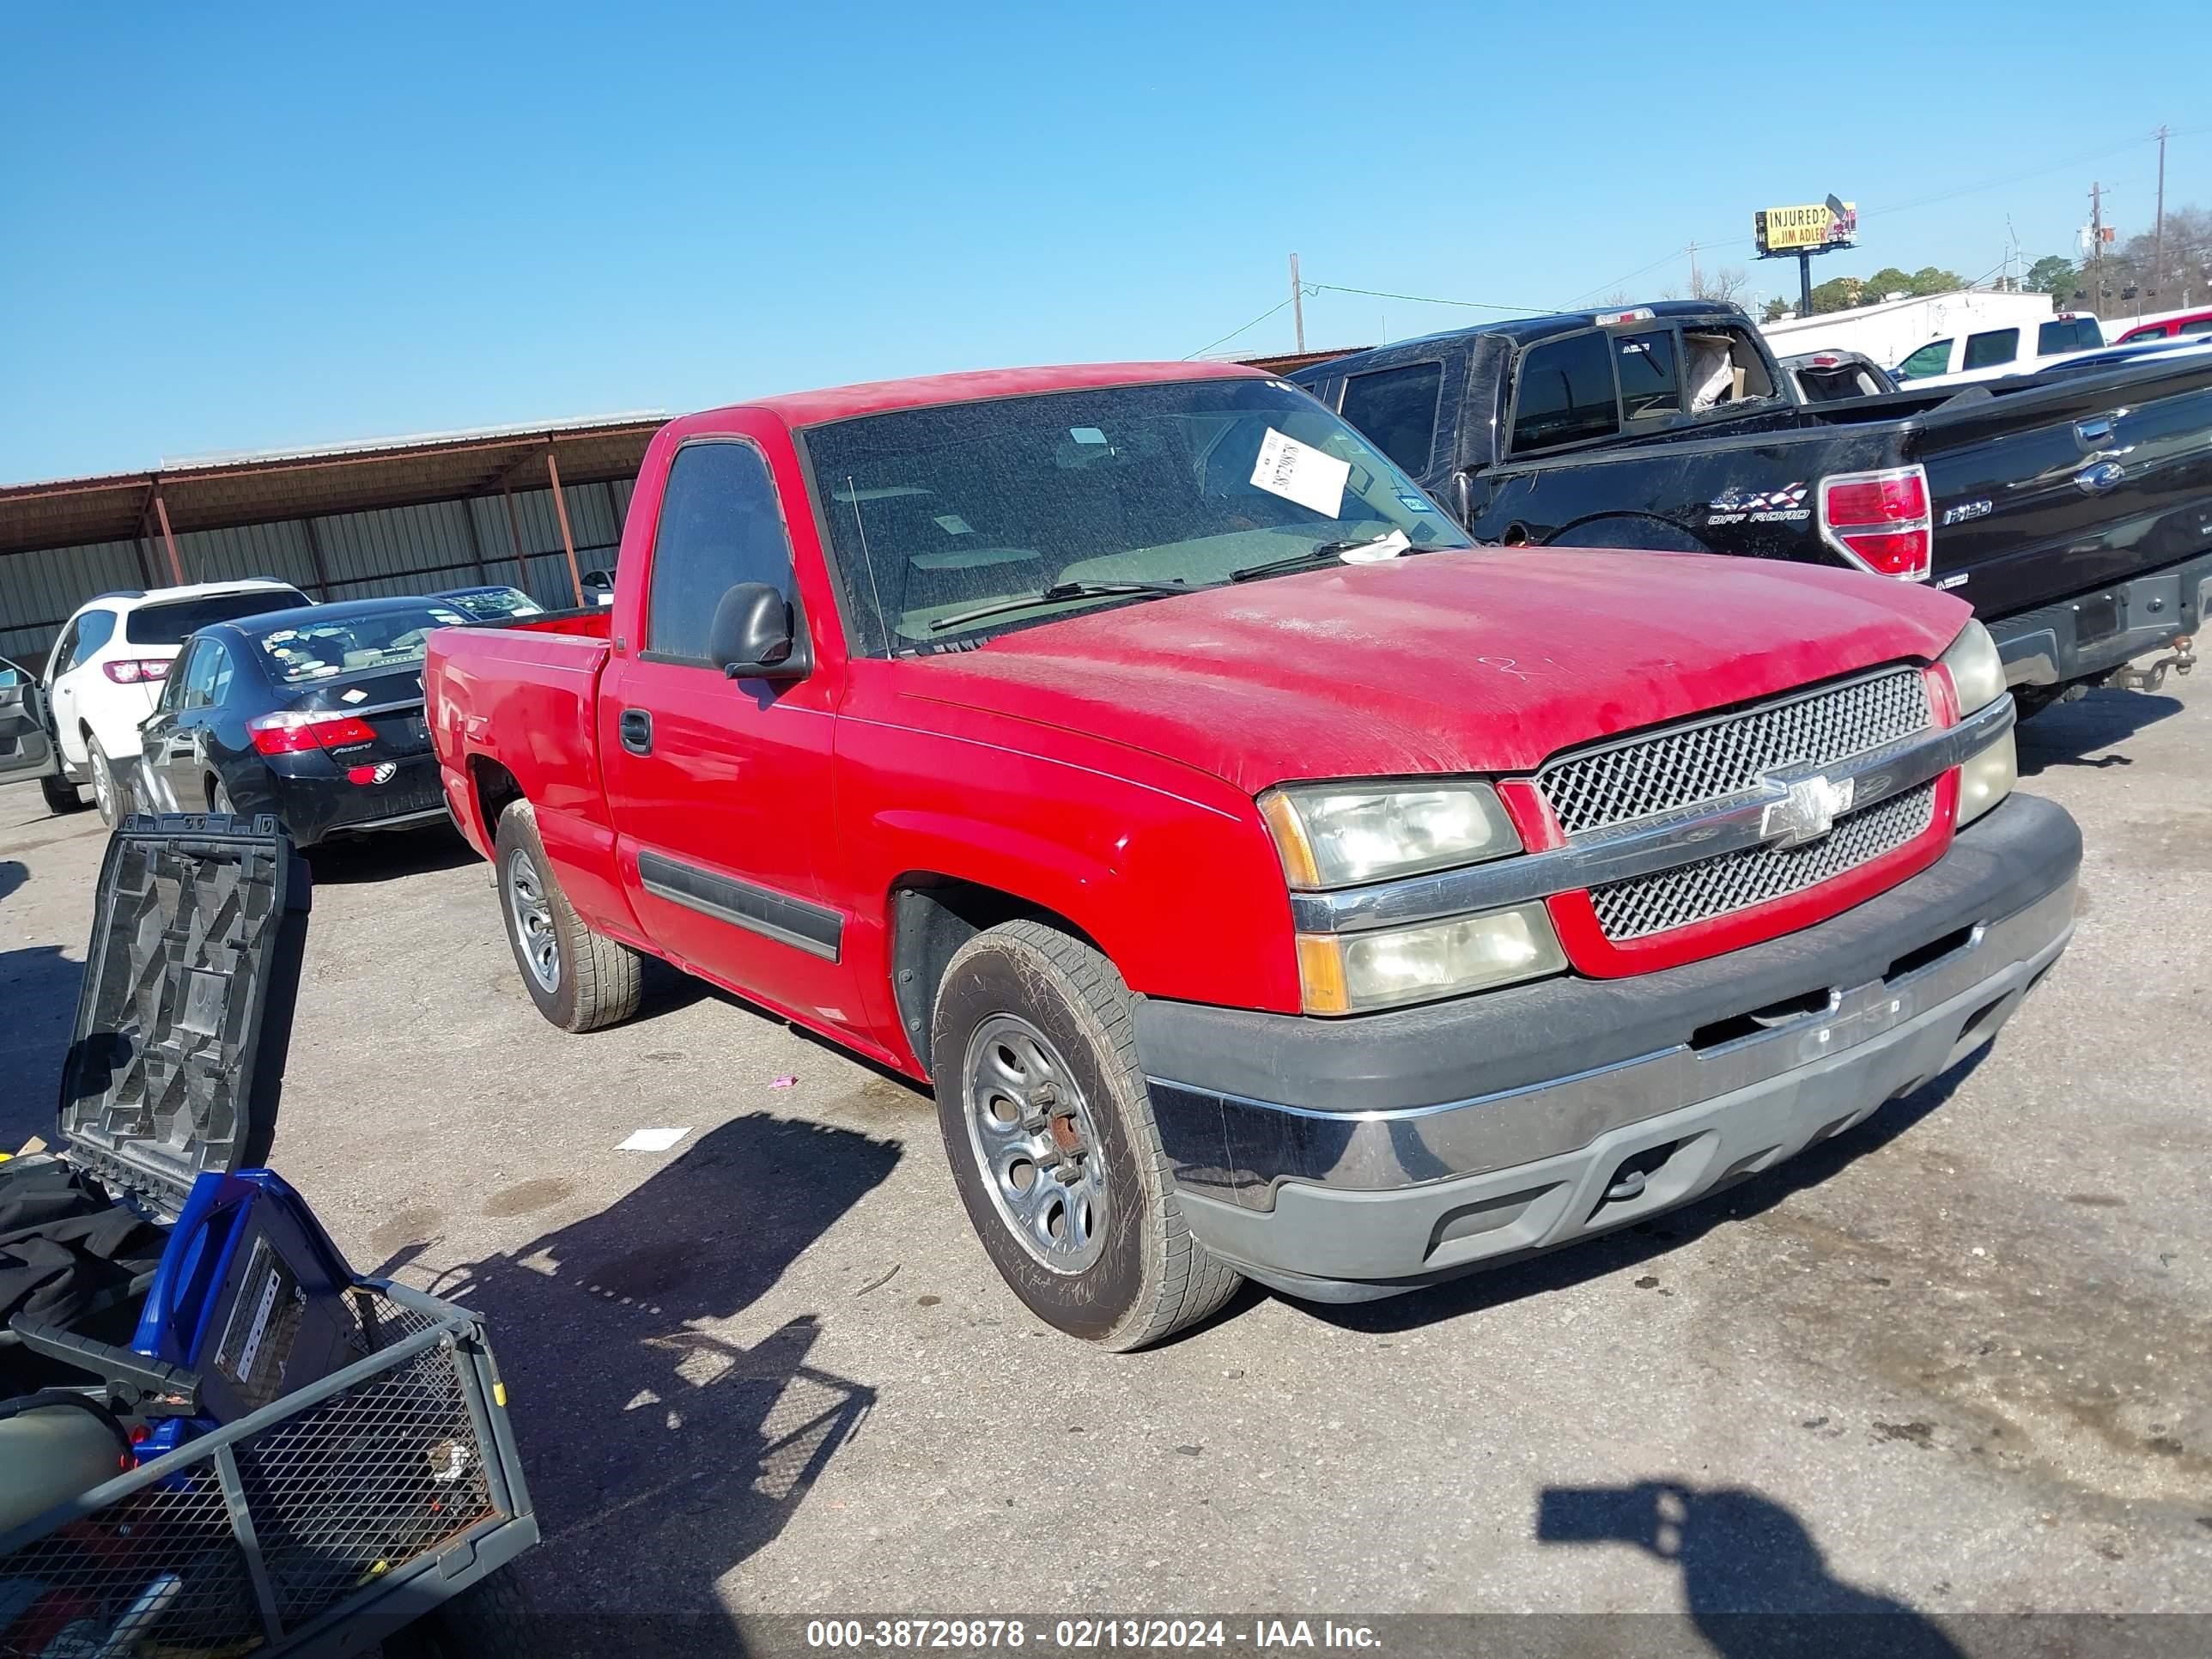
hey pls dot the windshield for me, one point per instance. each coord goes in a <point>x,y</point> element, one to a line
<point>494,604</point>
<point>375,641</point>
<point>170,623</point>
<point>934,513</point>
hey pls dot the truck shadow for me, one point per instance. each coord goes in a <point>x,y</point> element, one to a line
<point>1634,1245</point>
<point>2072,733</point>
<point>12,875</point>
<point>660,1450</point>
<point>1756,1584</point>
<point>38,1006</point>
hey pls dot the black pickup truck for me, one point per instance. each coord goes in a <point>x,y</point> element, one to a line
<point>2076,515</point>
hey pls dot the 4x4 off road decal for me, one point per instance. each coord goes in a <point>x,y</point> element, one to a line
<point>1783,506</point>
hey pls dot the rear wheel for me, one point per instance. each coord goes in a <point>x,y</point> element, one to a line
<point>110,793</point>
<point>61,794</point>
<point>579,979</point>
<point>1048,1123</point>
<point>218,798</point>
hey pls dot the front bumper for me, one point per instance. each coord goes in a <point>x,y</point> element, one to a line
<point>2096,632</point>
<point>1346,1159</point>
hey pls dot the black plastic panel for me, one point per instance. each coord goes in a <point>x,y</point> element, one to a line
<point>176,1060</point>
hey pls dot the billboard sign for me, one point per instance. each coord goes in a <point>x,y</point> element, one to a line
<point>1817,225</point>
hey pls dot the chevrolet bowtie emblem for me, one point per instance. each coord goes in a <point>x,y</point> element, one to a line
<point>1807,812</point>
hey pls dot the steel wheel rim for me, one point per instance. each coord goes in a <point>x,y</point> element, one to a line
<point>1035,1143</point>
<point>538,944</point>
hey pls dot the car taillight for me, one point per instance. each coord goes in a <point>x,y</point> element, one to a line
<point>130,671</point>
<point>292,732</point>
<point>1879,520</point>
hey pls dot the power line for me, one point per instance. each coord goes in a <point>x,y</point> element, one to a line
<point>1426,300</point>
<point>1234,332</point>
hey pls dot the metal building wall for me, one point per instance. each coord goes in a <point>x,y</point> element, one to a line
<point>406,549</point>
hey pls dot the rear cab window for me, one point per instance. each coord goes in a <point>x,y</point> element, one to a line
<point>176,621</point>
<point>1397,408</point>
<point>721,524</point>
<point>1649,385</point>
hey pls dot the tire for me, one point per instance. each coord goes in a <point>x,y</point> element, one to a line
<point>61,794</point>
<point>493,1619</point>
<point>218,798</point>
<point>2029,701</point>
<point>1029,994</point>
<point>579,979</point>
<point>111,790</point>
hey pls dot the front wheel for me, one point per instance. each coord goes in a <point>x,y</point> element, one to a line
<point>579,980</point>
<point>1048,1123</point>
<point>109,791</point>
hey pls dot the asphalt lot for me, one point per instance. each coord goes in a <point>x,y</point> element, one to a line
<point>1961,1358</point>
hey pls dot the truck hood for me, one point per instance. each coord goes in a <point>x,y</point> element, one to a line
<point>1488,660</point>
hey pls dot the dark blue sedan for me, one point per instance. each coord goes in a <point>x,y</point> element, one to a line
<point>313,713</point>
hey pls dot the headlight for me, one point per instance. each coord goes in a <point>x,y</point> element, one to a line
<point>1977,671</point>
<point>1340,835</point>
<point>1986,778</point>
<point>1351,973</point>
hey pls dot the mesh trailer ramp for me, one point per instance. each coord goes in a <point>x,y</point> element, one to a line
<point>314,1461</point>
<point>320,1524</point>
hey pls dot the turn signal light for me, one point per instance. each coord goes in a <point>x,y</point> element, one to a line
<point>131,671</point>
<point>1880,521</point>
<point>292,732</point>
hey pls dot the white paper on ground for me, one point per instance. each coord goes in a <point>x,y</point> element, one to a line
<point>653,1140</point>
<point>1299,472</point>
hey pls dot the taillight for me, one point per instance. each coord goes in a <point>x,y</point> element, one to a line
<point>130,671</point>
<point>1879,520</point>
<point>292,731</point>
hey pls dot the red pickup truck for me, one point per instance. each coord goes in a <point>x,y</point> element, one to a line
<point>1268,882</point>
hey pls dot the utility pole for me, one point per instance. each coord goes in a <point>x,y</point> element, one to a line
<point>1694,295</point>
<point>2158,235</point>
<point>2096,241</point>
<point>1298,304</point>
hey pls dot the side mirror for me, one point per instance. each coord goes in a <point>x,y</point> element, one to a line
<point>754,635</point>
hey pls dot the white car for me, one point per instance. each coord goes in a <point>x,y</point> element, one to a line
<point>105,674</point>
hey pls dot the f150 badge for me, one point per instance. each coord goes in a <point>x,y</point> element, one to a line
<point>1807,812</point>
<point>1783,506</point>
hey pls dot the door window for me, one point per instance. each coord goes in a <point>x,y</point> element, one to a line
<point>2197,325</point>
<point>1566,394</point>
<point>1931,359</point>
<point>207,659</point>
<point>1649,384</point>
<point>1986,350</point>
<point>1397,408</point>
<point>93,629</point>
<point>720,525</point>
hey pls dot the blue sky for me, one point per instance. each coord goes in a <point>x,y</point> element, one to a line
<point>231,228</point>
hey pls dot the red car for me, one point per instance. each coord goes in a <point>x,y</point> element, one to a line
<point>2187,324</point>
<point>1268,882</point>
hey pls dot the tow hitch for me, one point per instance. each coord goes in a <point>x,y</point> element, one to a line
<point>2151,676</point>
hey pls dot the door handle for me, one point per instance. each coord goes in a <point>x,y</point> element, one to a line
<point>636,728</point>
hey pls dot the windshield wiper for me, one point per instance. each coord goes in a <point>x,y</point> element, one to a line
<point>1058,593</point>
<point>1329,553</point>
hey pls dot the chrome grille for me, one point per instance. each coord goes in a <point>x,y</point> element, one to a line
<point>1693,892</point>
<point>1691,765</point>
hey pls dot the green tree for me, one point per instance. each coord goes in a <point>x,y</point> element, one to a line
<point>2052,274</point>
<point>1774,308</point>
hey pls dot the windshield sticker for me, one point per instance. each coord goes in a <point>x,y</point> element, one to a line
<point>1783,506</point>
<point>355,695</point>
<point>1415,504</point>
<point>1087,435</point>
<point>449,615</point>
<point>280,635</point>
<point>954,525</point>
<point>1298,472</point>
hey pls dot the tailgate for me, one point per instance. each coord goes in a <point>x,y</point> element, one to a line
<point>2045,492</point>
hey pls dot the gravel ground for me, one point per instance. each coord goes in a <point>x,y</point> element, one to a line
<point>1959,1359</point>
